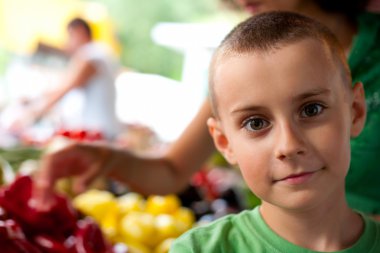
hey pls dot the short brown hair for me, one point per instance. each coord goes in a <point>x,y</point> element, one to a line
<point>273,30</point>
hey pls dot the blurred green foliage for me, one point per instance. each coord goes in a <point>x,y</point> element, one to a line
<point>134,20</point>
<point>17,155</point>
<point>5,57</point>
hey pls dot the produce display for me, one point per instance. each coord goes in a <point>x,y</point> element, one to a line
<point>143,224</point>
<point>103,220</point>
<point>93,222</point>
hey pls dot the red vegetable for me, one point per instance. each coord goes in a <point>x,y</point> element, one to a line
<point>12,239</point>
<point>18,246</point>
<point>50,244</point>
<point>9,229</point>
<point>60,220</point>
<point>81,135</point>
<point>23,229</point>
<point>89,238</point>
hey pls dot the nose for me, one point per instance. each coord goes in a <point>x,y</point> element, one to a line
<point>290,142</point>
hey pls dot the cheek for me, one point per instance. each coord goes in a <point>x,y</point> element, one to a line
<point>253,160</point>
<point>334,145</point>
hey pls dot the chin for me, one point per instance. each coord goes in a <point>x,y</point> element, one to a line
<point>299,201</point>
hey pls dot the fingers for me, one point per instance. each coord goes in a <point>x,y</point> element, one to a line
<point>82,162</point>
<point>100,158</point>
<point>82,182</point>
<point>43,187</point>
<point>44,181</point>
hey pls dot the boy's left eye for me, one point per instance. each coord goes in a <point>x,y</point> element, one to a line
<point>311,110</point>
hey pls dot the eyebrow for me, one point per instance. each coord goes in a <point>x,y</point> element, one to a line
<point>300,97</point>
<point>248,109</point>
<point>313,93</point>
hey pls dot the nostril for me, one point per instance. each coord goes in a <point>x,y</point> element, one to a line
<point>289,142</point>
<point>288,154</point>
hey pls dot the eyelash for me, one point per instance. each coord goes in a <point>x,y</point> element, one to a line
<point>320,109</point>
<point>246,123</point>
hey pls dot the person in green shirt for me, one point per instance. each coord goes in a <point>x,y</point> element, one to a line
<point>284,111</point>
<point>359,33</point>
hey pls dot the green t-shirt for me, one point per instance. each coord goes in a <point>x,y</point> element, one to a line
<point>363,179</point>
<point>247,232</point>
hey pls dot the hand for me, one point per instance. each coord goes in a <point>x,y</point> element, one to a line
<point>21,123</point>
<point>18,116</point>
<point>82,162</point>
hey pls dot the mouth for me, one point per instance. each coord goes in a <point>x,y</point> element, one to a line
<point>298,178</point>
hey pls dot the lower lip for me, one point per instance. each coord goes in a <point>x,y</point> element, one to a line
<point>300,179</point>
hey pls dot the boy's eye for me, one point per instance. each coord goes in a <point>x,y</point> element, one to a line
<point>255,124</point>
<point>311,110</point>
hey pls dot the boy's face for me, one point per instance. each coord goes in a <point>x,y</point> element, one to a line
<point>286,118</point>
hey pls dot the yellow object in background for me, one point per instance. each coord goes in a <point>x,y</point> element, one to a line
<point>186,216</point>
<point>23,23</point>
<point>101,25</point>
<point>131,202</point>
<point>145,225</point>
<point>168,204</point>
<point>138,248</point>
<point>164,246</point>
<point>96,203</point>
<point>167,226</point>
<point>138,227</point>
<point>110,223</point>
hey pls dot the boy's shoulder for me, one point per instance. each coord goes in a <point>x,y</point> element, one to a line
<point>248,232</point>
<point>232,233</point>
<point>371,235</point>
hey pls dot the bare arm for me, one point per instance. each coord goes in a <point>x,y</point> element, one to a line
<point>172,172</point>
<point>167,174</point>
<point>78,73</point>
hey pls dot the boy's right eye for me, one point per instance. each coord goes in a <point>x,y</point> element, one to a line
<point>255,124</point>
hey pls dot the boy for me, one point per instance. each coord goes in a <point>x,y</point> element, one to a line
<point>284,112</point>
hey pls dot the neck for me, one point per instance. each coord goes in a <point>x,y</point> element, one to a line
<point>334,226</point>
<point>341,26</point>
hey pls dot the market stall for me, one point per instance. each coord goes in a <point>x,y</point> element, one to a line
<point>118,219</point>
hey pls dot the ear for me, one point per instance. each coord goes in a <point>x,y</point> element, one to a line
<point>358,110</point>
<point>220,140</point>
